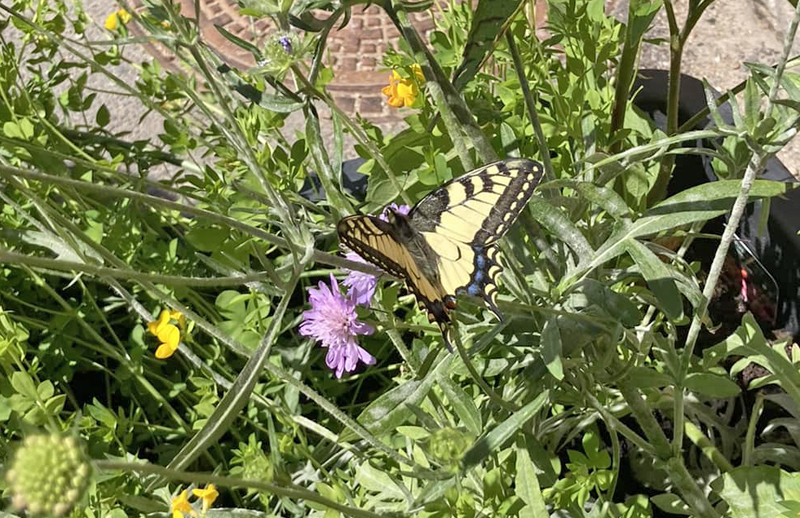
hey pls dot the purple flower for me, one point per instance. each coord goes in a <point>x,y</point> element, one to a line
<point>402,209</point>
<point>286,43</point>
<point>362,285</point>
<point>332,320</point>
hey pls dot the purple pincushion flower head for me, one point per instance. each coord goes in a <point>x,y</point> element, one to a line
<point>286,43</point>
<point>332,320</point>
<point>362,285</point>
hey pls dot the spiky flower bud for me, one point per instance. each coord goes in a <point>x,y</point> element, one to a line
<point>449,444</point>
<point>280,51</point>
<point>48,475</point>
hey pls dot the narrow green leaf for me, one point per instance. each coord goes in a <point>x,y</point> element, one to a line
<point>501,433</point>
<point>712,385</point>
<point>604,197</point>
<point>489,22</point>
<point>463,405</point>
<point>658,277</point>
<point>551,348</point>
<point>527,487</point>
<point>557,223</point>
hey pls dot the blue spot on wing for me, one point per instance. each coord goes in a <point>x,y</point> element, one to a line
<point>474,289</point>
<point>480,261</point>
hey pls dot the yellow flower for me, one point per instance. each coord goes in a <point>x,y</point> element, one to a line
<point>403,91</point>
<point>114,19</point>
<point>167,333</point>
<point>208,495</point>
<point>180,505</point>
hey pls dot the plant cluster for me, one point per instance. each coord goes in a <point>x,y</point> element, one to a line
<point>176,306</point>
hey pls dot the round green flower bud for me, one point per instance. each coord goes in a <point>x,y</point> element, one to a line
<point>449,444</point>
<point>280,51</point>
<point>48,475</point>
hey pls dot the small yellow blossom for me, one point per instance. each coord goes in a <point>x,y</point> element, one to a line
<point>167,333</point>
<point>180,506</point>
<point>114,19</point>
<point>403,91</point>
<point>208,495</point>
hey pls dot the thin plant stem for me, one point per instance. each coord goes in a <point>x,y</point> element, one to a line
<point>750,437</point>
<point>530,104</point>
<point>116,273</point>
<point>283,490</point>
<point>155,201</point>
<point>477,377</point>
<point>755,166</point>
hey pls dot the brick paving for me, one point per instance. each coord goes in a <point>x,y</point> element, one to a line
<point>354,52</point>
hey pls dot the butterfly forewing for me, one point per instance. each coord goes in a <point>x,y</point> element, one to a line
<point>375,241</point>
<point>457,225</point>
<point>463,219</point>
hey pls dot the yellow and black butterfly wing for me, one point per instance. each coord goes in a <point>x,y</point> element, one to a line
<point>377,241</point>
<point>463,219</point>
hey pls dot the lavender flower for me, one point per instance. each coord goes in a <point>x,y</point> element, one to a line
<point>362,285</point>
<point>402,209</point>
<point>332,320</point>
<point>286,43</point>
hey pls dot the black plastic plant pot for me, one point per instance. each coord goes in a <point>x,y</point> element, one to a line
<point>768,261</point>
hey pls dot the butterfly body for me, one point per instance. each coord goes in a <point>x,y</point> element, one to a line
<point>445,246</point>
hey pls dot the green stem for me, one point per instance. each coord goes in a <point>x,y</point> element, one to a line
<point>318,256</point>
<point>753,169</point>
<point>282,490</point>
<point>116,273</point>
<point>750,438</point>
<point>689,490</point>
<point>530,103</point>
<point>477,377</point>
<point>644,417</point>
<point>707,447</point>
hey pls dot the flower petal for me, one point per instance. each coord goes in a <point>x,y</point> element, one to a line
<point>164,351</point>
<point>170,335</point>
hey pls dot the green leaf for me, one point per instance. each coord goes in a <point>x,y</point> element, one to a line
<point>489,22</point>
<point>603,197</point>
<point>646,377</point>
<point>378,481</point>
<point>527,487</point>
<point>207,239</point>
<point>551,348</point>
<point>712,385</point>
<point>615,304</point>
<point>749,341</point>
<point>757,491</point>
<point>501,433</point>
<point>671,504</point>
<point>700,203</point>
<point>659,279</point>
<point>557,223</point>
<point>103,116</point>
<point>463,405</point>
<point>279,104</point>
<point>23,384</point>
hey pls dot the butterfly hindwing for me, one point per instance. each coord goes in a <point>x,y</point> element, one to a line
<point>463,219</point>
